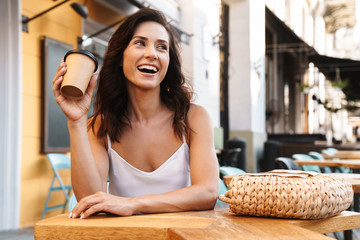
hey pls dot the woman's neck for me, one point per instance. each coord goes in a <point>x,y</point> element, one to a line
<point>145,106</point>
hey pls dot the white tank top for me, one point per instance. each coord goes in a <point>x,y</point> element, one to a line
<point>128,181</point>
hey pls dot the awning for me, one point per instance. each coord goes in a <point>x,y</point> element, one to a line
<point>333,68</point>
<point>285,35</point>
<point>340,69</point>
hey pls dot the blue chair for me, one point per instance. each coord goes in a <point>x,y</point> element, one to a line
<point>72,202</point>
<point>331,152</point>
<point>222,187</point>
<point>222,190</point>
<point>58,161</point>
<point>228,171</point>
<point>331,149</point>
<point>286,163</point>
<point>300,156</point>
<point>318,156</point>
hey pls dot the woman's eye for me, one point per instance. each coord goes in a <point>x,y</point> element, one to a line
<point>162,47</point>
<point>140,43</point>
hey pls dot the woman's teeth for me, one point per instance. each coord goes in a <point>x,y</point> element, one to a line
<point>147,68</point>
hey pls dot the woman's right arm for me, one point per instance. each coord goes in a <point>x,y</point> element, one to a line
<point>89,159</point>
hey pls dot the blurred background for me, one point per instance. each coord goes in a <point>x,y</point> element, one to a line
<point>283,71</point>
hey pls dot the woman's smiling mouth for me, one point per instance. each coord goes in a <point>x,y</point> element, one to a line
<point>148,68</point>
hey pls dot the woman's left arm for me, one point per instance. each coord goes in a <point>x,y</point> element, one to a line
<point>204,167</point>
<point>201,195</point>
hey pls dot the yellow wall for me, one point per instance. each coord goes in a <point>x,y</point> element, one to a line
<point>62,24</point>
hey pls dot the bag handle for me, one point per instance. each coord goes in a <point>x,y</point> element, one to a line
<point>224,198</point>
<point>284,173</point>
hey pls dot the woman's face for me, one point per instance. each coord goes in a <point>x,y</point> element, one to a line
<point>146,58</point>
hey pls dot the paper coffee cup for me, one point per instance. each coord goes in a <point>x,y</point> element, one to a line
<point>80,64</point>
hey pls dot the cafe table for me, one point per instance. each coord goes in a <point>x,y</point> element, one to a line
<point>351,163</point>
<point>344,154</point>
<point>212,224</point>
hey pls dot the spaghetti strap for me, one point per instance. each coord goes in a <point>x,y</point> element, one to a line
<point>185,141</point>
<point>108,141</point>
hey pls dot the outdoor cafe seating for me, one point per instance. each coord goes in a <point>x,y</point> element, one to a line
<point>229,220</point>
<point>221,223</point>
<point>58,161</point>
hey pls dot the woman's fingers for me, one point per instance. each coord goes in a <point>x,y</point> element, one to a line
<point>60,73</point>
<point>103,202</point>
<point>87,202</point>
<point>56,86</point>
<point>58,78</point>
<point>93,209</point>
<point>92,84</point>
<point>62,64</point>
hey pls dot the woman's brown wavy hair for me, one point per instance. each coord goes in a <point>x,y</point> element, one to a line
<point>111,99</point>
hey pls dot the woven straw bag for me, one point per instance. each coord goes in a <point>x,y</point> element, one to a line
<point>288,194</point>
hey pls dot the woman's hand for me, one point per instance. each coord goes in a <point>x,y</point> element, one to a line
<point>104,202</point>
<point>74,109</point>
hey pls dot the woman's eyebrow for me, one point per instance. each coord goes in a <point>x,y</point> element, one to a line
<point>145,38</point>
<point>141,37</point>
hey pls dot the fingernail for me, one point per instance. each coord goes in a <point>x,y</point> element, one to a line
<point>63,68</point>
<point>82,216</point>
<point>70,214</point>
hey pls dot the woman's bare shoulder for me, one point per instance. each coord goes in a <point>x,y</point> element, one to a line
<point>198,116</point>
<point>197,112</point>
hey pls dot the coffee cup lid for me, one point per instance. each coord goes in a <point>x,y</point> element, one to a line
<point>85,52</point>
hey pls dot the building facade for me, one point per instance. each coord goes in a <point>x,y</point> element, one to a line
<point>26,172</point>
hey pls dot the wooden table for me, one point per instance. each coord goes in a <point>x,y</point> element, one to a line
<point>348,146</point>
<point>344,154</point>
<point>214,224</point>
<point>353,178</point>
<point>353,163</point>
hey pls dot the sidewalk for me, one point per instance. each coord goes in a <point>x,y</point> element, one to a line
<point>21,234</point>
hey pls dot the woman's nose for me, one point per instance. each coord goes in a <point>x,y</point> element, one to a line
<point>150,52</point>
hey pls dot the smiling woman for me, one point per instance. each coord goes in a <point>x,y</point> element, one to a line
<point>155,146</point>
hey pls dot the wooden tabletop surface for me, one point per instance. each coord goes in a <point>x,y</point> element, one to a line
<point>353,163</point>
<point>214,224</point>
<point>344,154</point>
